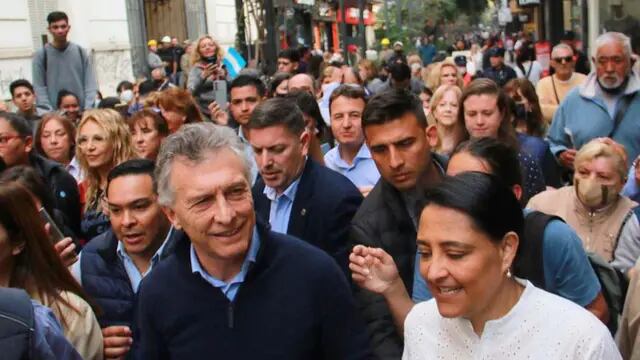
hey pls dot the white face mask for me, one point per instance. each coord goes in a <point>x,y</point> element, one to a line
<point>126,96</point>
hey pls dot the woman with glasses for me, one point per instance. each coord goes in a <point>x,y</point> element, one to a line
<point>103,142</point>
<point>553,89</point>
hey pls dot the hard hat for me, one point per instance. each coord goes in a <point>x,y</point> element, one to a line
<point>385,41</point>
<point>152,43</point>
<point>166,39</point>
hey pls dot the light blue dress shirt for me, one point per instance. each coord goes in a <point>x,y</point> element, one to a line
<point>135,277</point>
<point>281,206</point>
<point>229,289</point>
<point>363,171</point>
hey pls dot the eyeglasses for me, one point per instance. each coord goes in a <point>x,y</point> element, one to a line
<point>562,60</point>
<point>4,139</point>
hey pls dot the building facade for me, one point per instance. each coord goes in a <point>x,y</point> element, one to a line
<point>115,32</point>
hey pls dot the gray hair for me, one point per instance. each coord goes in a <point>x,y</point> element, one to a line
<point>194,142</point>
<point>559,47</point>
<point>613,36</point>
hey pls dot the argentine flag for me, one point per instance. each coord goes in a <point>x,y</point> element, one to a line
<point>234,62</point>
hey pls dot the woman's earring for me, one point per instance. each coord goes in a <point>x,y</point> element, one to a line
<point>509,273</point>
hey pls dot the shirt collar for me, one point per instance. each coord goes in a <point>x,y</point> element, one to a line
<point>122,252</point>
<point>74,164</point>
<point>250,258</point>
<point>363,153</point>
<point>289,193</point>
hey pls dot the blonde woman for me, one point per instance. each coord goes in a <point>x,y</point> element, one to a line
<point>206,67</point>
<point>103,141</point>
<point>444,73</point>
<point>444,114</point>
<point>369,75</point>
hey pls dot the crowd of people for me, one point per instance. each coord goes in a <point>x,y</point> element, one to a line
<point>424,205</point>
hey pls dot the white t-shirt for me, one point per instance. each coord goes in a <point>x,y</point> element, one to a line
<point>540,326</point>
<point>534,74</point>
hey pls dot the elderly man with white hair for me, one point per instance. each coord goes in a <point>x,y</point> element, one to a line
<point>606,105</point>
<point>553,89</point>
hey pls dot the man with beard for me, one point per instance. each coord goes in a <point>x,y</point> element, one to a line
<point>606,105</point>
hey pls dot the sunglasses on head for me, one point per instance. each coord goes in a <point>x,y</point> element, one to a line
<point>562,60</point>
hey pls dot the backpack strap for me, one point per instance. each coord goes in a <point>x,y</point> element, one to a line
<point>529,261</point>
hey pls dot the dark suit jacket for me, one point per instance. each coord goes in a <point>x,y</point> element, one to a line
<point>324,205</point>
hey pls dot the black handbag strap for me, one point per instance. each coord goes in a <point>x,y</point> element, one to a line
<point>555,92</point>
<point>622,109</point>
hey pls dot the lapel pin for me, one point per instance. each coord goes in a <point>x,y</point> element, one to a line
<point>303,212</point>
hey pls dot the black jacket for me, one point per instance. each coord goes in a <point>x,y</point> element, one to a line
<point>64,189</point>
<point>383,221</point>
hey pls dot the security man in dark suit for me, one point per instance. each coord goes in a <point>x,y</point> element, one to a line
<point>294,194</point>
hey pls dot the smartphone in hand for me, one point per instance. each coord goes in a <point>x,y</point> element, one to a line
<point>220,90</point>
<point>54,232</point>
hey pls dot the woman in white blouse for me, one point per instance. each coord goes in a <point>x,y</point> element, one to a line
<point>468,236</point>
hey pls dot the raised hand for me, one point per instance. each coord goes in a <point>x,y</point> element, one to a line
<point>373,269</point>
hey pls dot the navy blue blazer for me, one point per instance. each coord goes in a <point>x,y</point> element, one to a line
<point>324,205</point>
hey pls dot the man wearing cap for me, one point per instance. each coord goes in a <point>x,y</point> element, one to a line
<point>153,59</point>
<point>461,64</point>
<point>582,61</point>
<point>398,54</point>
<point>498,71</point>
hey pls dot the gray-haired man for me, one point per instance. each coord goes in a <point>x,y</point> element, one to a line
<point>233,287</point>
<point>606,105</point>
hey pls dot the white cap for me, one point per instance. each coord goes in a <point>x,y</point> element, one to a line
<point>398,43</point>
<point>166,39</point>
